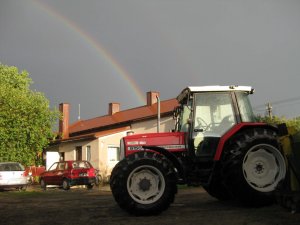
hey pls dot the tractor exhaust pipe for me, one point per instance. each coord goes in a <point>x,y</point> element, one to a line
<point>158,113</point>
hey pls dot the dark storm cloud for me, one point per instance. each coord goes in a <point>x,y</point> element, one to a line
<point>163,46</point>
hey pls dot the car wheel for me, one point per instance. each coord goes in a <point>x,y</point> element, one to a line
<point>43,184</point>
<point>99,180</point>
<point>22,188</point>
<point>89,186</point>
<point>66,184</point>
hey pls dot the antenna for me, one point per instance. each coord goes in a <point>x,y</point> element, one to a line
<point>78,111</point>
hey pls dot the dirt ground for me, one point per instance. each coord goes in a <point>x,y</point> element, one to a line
<point>97,206</point>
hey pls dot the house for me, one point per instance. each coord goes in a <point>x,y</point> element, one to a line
<point>98,139</point>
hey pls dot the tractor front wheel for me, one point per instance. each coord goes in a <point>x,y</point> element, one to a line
<point>144,183</point>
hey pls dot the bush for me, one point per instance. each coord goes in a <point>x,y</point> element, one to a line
<point>294,122</point>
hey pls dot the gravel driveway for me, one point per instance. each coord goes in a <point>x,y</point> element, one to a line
<point>97,206</point>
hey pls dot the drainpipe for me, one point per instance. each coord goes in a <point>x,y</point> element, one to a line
<point>158,113</point>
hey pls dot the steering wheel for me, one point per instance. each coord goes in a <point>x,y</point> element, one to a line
<point>202,124</point>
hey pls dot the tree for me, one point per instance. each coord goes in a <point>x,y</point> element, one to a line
<point>275,120</point>
<point>26,119</point>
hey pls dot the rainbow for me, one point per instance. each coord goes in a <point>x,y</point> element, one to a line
<point>87,38</point>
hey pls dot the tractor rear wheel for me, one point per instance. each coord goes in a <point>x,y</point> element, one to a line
<point>144,183</point>
<point>253,166</point>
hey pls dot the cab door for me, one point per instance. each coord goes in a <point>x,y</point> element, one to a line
<point>213,116</point>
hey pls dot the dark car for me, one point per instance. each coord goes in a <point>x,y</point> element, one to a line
<point>69,173</point>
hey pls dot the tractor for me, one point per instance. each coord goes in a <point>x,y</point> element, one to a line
<point>216,143</point>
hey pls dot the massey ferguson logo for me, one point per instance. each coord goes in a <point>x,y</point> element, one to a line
<point>136,142</point>
<point>168,147</point>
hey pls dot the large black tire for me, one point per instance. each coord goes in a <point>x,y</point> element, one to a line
<point>216,187</point>
<point>144,183</point>
<point>253,165</point>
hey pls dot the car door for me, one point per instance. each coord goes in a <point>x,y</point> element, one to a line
<point>49,176</point>
<point>59,173</point>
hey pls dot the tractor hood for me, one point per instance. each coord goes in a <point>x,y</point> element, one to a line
<point>171,141</point>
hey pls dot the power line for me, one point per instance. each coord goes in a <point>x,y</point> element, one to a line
<point>285,101</point>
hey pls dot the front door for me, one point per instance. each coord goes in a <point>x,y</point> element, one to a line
<point>213,117</point>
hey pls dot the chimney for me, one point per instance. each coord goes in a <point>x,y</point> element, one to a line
<point>64,121</point>
<point>152,97</point>
<point>113,108</point>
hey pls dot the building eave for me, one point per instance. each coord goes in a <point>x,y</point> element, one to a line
<point>91,136</point>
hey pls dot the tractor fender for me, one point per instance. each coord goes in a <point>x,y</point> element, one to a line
<point>234,130</point>
<point>177,164</point>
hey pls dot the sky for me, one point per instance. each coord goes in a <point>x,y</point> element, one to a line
<point>94,52</point>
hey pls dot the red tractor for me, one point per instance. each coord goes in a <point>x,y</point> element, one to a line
<point>216,143</point>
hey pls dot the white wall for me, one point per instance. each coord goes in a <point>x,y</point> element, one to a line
<point>69,150</point>
<point>51,157</point>
<point>105,142</point>
<point>150,126</point>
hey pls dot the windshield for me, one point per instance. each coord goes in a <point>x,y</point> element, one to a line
<point>214,113</point>
<point>213,116</point>
<point>246,112</point>
<point>11,167</point>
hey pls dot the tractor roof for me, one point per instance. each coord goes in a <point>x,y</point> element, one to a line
<point>215,88</point>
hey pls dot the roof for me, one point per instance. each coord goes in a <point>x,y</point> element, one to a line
<point>215,88</point>
<point>93,135</point>
<point>121,118</point>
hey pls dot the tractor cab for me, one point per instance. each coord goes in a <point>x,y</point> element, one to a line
<point>207,113</point>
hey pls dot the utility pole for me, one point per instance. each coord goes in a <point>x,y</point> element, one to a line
<point>158,114</point>
<point>269,110</point>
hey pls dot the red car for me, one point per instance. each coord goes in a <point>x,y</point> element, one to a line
<point>69,173</point>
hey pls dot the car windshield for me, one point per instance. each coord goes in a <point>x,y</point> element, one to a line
<point>11,167</point>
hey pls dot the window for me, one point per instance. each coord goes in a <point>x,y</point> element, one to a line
<point>245,107</point>
<point>213,113</point>
<point>88,153</point>
<point>78,153</point>
<point>11,167</point>
<point>113,154</point>
<point>213,116</point>
<point>185,118</point>
<point>81,164</point>
<point>53,167</point>
<point>62,156</point>
<point>61,166</point>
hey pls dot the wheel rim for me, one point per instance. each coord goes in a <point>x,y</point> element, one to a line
<point>146,184</point>
<point>263,167</point>
<point>65,184</point>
